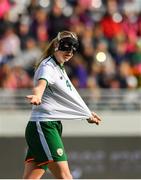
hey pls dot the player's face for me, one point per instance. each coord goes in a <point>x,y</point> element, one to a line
<point>66,47</point>
<point>64,56</point>
<point>67,55</point>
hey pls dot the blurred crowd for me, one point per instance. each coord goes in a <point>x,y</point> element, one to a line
<point>109,34</point>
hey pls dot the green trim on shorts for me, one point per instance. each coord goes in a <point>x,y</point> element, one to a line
<point>44,142</point>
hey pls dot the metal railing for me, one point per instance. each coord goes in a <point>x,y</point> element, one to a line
<point>101,99</point>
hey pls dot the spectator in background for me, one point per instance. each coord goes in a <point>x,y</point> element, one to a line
<point>4,16</point>
<point>136,61</point>
<point>57,20</point>
<point>32,7</point>
<point>27,58</point>
<point>22,78</point>
<point>8,80</point>
<point>15,78</point>
<point>3,57</point>
<point>82,13</point>
<point>131,25</point>
<point>110,25</point>
<point>118,49</point>
<point>39,25</point>
<point>87,46</point>
<point>97,34</point>
<point>79,70</point>
<point>23,31</point>
<point>126,72</point>
<point>11,42</point>
<point>105,62</point>
<point>103,57</point>
<point>139,25</point>
<point>4,7</point>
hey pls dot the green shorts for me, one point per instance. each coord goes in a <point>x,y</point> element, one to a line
<point>44,143</point>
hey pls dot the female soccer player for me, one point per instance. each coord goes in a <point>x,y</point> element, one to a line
<point>54,99</point>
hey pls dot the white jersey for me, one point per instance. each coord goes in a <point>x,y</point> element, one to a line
<point>60,100</point>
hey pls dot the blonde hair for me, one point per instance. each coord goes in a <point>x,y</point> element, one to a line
<point>51,46</point>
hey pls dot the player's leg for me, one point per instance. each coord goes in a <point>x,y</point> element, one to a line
<point>31,168</point>
<point>31,171</point>
<point>60,170</point>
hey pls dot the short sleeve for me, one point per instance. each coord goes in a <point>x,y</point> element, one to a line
<point>47,72</point>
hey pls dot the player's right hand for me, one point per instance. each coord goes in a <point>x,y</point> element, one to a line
<point>94,119</point>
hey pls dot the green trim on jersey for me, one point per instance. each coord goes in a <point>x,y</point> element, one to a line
<point>47,84</point>
<point>45,80</point>
<point>62,67</point>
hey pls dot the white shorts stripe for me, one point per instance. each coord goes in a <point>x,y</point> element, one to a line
<point>43,141</point>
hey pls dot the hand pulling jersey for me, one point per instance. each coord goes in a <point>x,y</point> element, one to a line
<point>60,100</point>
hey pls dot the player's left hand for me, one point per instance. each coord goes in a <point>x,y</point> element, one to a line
<point>94,119</point>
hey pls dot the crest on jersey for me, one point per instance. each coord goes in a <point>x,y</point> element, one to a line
<point>60,151</point>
